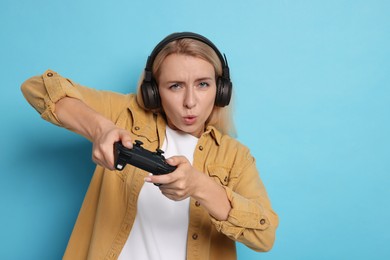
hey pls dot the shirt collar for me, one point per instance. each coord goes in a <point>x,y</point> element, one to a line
<point>214,133</point>
<point>142,121</point>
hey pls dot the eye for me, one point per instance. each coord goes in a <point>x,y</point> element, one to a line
<point>204,84</point>
<point>175,86</point>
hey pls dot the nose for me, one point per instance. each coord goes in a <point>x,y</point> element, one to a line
<point>190,98</point>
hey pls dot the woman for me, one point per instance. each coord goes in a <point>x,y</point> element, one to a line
<point>215,196</point>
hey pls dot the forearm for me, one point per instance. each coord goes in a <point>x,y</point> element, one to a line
<point>76,116</point>
<point>45,91</point>
<point>83,110</point>
<point>212,197</point>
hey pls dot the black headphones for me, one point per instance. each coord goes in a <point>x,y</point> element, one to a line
<point>149,88</point>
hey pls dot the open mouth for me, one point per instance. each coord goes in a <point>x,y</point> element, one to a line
<point>189,120</point>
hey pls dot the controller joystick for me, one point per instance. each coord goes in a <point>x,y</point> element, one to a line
<point>138,143</point>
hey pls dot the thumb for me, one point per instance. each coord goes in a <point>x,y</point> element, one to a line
<point>126,139</point>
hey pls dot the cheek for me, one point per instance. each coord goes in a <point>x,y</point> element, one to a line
<point>169,105</point>
<point>211,99</point>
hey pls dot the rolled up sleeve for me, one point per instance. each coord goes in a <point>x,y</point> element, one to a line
<point>42,92</point>
<point>251,219</point>
<point>244,214</point>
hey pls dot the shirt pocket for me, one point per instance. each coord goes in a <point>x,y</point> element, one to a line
<point>219,173</point>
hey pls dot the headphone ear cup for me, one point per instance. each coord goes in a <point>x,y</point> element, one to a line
<point>150,95</point>
<point>224,92</point>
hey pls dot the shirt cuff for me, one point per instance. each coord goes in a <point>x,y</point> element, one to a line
<point>245,214</point>
<point>57,88</point>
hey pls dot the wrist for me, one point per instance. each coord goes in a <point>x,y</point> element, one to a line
<point>212,197</point>
<point>102,126</point>
<point>201,184</point>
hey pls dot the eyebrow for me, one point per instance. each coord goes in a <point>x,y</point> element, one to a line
<point>203,79</point>
<point>197,80</point>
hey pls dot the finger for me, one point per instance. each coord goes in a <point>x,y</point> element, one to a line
<point>176,160</point>
<point>107,152</point>
<point>109,159</point>
<point>98,157</point>
<point>126,139</point>
<point>173,194</point>
<point>104,162</point>
<point>160,179</point>
<point>104,156</point>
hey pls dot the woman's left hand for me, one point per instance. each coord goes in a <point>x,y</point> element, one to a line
<point>181,183</point>
<point>186,182</point>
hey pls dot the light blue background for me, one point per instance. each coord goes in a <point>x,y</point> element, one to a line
<point>312,102</point>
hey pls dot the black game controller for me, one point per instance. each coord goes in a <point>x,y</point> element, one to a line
<point>153,162</point>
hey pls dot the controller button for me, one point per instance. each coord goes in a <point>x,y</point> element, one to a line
<point>200,147</point>
<point>138,143</point>
<point>197,203</point>
<point>194,236</point>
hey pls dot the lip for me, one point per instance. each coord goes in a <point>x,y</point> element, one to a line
<point>189,120</point>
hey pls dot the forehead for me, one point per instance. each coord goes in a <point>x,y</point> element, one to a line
<point>180,64</point>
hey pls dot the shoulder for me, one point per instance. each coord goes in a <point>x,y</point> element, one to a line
<point>134,107</point>
<point>225,142</point>
<point>229,151</point>
<point>229,160</point>
<point>239,153</point>
<point>233,145</point>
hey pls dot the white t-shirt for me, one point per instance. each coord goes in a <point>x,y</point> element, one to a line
<point>160,228</point>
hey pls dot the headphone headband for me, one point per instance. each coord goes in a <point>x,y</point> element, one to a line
<point>181,35</point>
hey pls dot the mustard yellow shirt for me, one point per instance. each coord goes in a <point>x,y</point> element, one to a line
<point>109,208</point>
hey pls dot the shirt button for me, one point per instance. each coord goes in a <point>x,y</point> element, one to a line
<point>262,221</point>
<point>49,74</point>
<point>197,203</point>
<point>200,147</point>
<point>136,128</point>
<point>195,236</point>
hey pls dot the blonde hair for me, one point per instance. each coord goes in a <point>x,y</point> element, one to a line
<point>220,117</point>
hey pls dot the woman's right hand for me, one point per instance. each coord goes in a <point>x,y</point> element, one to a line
<point>103,144</point>
<point>76,116</point>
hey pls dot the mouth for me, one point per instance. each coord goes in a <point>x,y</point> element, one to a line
<point>189,120</point>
